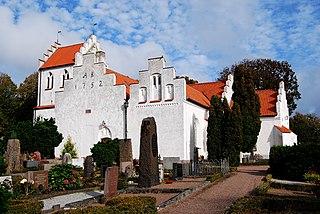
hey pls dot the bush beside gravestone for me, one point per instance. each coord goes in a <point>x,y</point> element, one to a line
<point>106,152</point>
<point>291,163</point>
<point>25,207</point>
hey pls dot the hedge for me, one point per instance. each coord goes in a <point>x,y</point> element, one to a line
<point>25,206</point>
<point>275,204</point>
<point>214,177</point>
<point>119,205</point>
<point>291,163</point>
<point>141,204</point>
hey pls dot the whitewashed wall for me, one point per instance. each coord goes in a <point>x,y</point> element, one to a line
<point>168,114</point>
<point>88,100</point>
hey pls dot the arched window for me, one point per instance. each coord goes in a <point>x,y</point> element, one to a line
<point>65,76</point>
<point>156,86</point>
<point>50,81</point>
<point>169,92</point>
<point>142,95</point>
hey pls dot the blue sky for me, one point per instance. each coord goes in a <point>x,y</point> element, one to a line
<point>197,37</point>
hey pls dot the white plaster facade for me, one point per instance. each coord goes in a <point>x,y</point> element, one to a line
<point>88,105</point>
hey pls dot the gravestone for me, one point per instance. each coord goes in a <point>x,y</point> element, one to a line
<point>169,161</point>
<point>12,156</point>
<point>88,167</point>
<point>111,181</point>
<point>40,179</point>
<point>149,168</point>
<point>125,147</point>
<point>6,182</point>
<point>67,159</point>
<point>177,170</point>
<point>30,164</point>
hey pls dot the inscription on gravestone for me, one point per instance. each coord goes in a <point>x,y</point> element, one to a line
<point>40,179</point>
<point>149,168</point>
<point>88,167</point>
<point>13,156</point>
<point>111,181</point>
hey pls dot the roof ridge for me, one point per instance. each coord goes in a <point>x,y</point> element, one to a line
<point>202,83</point>
<point>68,46</point>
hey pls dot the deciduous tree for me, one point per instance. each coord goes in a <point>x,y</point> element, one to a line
<point>307,127</point>
<point>267,74</point>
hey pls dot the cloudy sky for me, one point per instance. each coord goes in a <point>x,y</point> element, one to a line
<point>198,37</point>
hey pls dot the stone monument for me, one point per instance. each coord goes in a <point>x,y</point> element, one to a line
<point>12,156</point>
<point>149,168</point>
<point>67,159</point>
<point>111,181</point>
<point>88,167</point>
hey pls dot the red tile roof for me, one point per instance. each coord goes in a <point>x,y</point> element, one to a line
<point>268,99</point>
<point>62,56</point>
<point>123,80</point>
<point>283,129</point>
<point>44,107</point>
<point>210,88</point>
<point>197,96</point>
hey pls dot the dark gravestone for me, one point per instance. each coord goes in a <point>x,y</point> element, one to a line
<point>103,169</point>
<point>111,181</point>
<point>149,168</point>
<point>30,164</point>
<point>40,179</point>
<point>88,167</point>
<point>177,170</point>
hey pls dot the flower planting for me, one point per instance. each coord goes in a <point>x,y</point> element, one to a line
<point>63,177</point>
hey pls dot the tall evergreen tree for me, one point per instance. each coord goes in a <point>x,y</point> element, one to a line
<point>246,97</point>
<point>214,137</point>
<point>233,135</point>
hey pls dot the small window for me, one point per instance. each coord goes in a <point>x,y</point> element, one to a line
<point>50,81</point>
<point>142,95</point>
<point>156,87</point>
<point>169,92</point>
<point>88,111</point>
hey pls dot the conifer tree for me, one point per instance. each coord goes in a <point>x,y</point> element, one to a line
<point>233,135</point>
<point>214,137</point>
<point>69,147</point>
<point>246,97</point>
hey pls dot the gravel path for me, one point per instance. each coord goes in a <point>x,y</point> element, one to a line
<point>218,197</point>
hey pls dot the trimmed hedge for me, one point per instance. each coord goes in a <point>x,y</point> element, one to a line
<point>275,204</point>
<point>25,207</point>
<point>119,205</point>
<point>141,204</point>
<point>214,177</point>
<point>291,163</point>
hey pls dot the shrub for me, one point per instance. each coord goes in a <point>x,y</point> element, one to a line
<point>275,204</point>
<point>132,204</point>
<point>291,163</point>
<point>4,197</point>
<point>69,147</point>
<point>262,188</point>
<point>63,177</point>
<point>87,210</point>
<point>106,152</point>
<point>3,165</point>
<point>25,207</point>
<point>122,181</point>
<point>214,177</point>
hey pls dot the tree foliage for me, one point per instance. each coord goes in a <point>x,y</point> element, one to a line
<point>188,79</point>
<point>214,136</point>
<point>8,102</point>
<point>249,102</point>
<point>42,136</point>
<point>106,152</point>
<point>69,147</point>
<point>267,74</point>
<point>307,127</point>
<point>27,97</point>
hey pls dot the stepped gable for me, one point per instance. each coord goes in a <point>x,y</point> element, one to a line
<point>268,99</point>
<point>123,80</point>
<point>62,56</point>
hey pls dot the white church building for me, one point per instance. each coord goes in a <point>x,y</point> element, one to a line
<point>91,102</point>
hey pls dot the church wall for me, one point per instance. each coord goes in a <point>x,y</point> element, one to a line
<point>90,107</point>
<point>168,113</point>
<point>195,130</point>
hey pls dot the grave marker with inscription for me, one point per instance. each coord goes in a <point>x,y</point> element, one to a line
<point>12,156</point>
<point>149,168</point>
<point>40,179</point>
<point>111,181</point>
